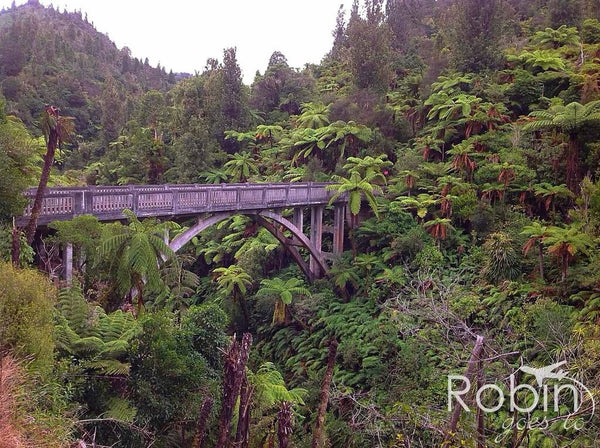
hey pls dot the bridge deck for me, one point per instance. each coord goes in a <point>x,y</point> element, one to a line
<point>107,202</point>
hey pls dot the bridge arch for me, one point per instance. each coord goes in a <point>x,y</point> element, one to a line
<point>272,222</point>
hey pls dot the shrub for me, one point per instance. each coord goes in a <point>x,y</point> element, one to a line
<point>166,372</point>
<point>590,31</point>
<point>26,316</point>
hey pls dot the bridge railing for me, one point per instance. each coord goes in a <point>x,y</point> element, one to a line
<point>107,202</point>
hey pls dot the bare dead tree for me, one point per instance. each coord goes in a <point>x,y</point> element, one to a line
<point>325,386</point>
<point>471,369</point>
<point>49,254</point>
<point>235,365</point>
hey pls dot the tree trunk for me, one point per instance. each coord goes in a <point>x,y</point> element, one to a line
<point>242,435</point>
<point>235,365</point>
<point>239,298</point>
<point>202,421</point>
<point>284,424</point>
<point>572,156</point>
<point>480,414</point>
<point>41,189</point>
<point>15,251</point>
<point>565,268</point>
<point>473,361</point>
<point>320,423</point>
<point>541,259</point>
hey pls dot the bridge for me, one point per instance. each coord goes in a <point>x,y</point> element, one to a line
<point>208,205</point>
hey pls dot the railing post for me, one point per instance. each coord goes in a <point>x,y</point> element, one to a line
<point>88,202</point>
<point>175,201</point>
<point>134,199</point>
<point>78,203</point>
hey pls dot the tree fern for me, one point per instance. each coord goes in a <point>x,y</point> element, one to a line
<point>120,409</point>
<point>100,341</point>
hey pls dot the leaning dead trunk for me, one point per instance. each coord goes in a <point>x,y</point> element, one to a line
<point>471,368</point>
<point>41,189</point>
<point>202,421</point>
<point>320,423</point>
<point>235,365</point>
<point>56,130</point>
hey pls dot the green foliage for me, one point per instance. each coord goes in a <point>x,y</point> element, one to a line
<point>474,37</point>
<point>17,161</point>
<point>408,98</point>
<point>559,37</point>
<point>205,326</point>
<point>160,350</point>
<point>44,47</point>
<point>240,167</point>
<point>98,341</point>
<point>136,251</point>
<point>6,241</point>
<point>26,308</point>
<point>590,31</point>
<point>370,52</point>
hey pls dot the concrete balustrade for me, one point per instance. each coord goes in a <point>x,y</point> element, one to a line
<point>107,203</point>
<point>209,204</point>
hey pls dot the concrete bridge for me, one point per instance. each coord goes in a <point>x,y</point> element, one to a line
<point>208,205</point>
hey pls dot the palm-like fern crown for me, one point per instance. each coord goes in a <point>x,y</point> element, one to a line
<point>355,187</point>
<point>569,119</point>
<point>284,290</point>
<point>137,252</point>
<point>232,279</point>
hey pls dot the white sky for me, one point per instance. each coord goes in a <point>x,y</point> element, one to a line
<point>182,34</point>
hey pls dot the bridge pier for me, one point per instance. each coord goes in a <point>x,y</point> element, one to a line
<point>316,235</point>
<point>298,217</point>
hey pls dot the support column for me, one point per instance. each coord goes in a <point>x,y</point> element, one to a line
<point>298,218</point>
<point>68,263</point>
<point>338,229</point>
<point>316,235</point>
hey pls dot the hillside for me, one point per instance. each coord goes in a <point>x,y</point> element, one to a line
<point>51,57</point>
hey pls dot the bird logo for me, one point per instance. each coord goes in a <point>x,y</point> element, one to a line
<point>547,372</point>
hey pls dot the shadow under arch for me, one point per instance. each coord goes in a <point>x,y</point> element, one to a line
<point>269,220</point>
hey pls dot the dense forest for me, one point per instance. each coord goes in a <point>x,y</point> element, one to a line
<point>466,135</point>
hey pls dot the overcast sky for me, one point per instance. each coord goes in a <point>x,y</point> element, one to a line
<point>182,34</point>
